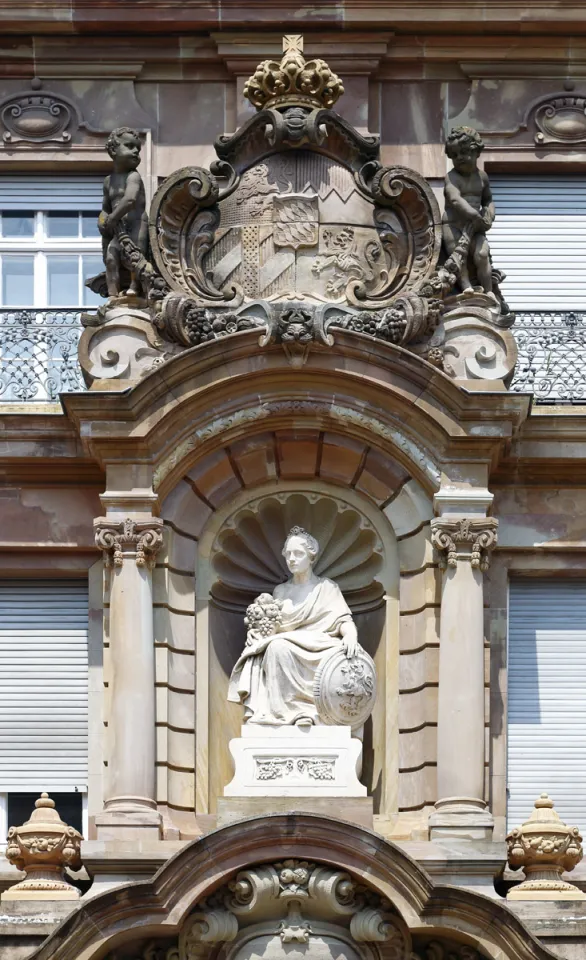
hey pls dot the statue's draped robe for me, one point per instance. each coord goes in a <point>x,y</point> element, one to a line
<point>274,676</point>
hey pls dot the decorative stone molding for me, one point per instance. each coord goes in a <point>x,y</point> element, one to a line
<point>43,847</point>
<point>544,847</point>
<point>295,901</point>
<point>561,119</point>
<point>478,535</point>
<point>39,117</point>
<point>143,538</point>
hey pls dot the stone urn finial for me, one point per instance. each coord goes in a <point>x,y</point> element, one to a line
<point>43,847</point>
<point>545,847</point>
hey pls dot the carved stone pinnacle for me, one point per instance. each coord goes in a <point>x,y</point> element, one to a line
<point>478,534</point>
<point>143,538</point>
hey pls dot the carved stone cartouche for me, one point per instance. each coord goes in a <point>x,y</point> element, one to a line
<point>43,847</point>
<point>298,229</point>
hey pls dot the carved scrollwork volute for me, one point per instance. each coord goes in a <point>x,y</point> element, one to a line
<point>407,218</point>
<point>253,890</point>
<point>184,217</point>
<point>205,928</point>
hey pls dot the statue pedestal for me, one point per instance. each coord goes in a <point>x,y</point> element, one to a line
<point>290,761</point>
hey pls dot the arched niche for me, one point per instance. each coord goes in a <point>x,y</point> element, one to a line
<point>239,556</point>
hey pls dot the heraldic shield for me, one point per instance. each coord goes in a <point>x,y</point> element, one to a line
<point>297,226</point>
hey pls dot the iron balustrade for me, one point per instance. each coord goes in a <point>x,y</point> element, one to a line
<point>38,354</point>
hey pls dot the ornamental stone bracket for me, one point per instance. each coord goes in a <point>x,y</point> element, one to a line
<point>119,539</point>
<point>470,539</point>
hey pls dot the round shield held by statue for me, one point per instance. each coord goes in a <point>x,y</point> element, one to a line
<point>345,688</point>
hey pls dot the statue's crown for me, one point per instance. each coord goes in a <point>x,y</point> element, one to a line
<point>293,81</point>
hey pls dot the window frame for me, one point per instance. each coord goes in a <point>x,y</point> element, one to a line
<point>40,246</point>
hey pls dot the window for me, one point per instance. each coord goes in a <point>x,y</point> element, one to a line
<point>49,241</point>
<point>539,240</point>
<point>546,704</point>
<point>43,694</point>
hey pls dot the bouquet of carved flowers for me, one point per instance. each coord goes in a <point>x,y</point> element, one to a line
<point>263,618</point>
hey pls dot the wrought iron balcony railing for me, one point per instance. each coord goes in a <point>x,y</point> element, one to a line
<point>38,355</point>
<point>552,355</point>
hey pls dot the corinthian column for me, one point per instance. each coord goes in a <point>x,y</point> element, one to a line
<point>464,545</point>
<point>129,549</point>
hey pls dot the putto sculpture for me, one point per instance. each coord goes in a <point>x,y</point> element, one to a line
<point>123,212</point>
<point>469,208</point>
<point>297,229</point>
<point>290,638</point>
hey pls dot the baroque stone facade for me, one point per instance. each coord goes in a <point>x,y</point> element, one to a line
<point>302,326</point>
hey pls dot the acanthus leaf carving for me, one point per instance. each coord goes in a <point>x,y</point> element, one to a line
<point>478,535</point>
<point>141,538</point>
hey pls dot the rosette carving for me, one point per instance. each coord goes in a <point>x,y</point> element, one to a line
<point>142,538</point>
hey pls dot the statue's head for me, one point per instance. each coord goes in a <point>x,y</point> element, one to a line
<point>124,145</point>
<point>300,550</point>
<point>463,146</point>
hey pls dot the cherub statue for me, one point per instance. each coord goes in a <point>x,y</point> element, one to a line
<point>469,208</point>
<point>123,207</point>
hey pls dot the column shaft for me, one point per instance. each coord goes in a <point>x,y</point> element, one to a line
<point>130,803</point>
<point>460,810</point>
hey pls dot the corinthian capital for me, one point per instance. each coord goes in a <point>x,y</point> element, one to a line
<point>471,538</point>
<point>142,538</point>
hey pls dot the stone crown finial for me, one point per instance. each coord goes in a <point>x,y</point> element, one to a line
<point>43,846</point>
<point>294,81</point>
<point>544,846</point>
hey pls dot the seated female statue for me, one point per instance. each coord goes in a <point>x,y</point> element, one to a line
<point>274,675</point>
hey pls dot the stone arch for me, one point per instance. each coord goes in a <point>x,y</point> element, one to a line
<point>162,910</point>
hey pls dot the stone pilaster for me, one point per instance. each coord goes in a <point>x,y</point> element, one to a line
<point>130,546</point>
<point>464,545</point>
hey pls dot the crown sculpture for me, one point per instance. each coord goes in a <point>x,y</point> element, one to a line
<point>293,81</point>
<point>296,230</point>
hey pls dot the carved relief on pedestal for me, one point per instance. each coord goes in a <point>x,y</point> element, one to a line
<point>141,538</point>
<point>470,539</point>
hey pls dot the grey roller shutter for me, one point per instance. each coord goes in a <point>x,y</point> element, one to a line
<point>43,685</point>
<point>50,192</point>
<point>547,697</point>
<point>539,240</point>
